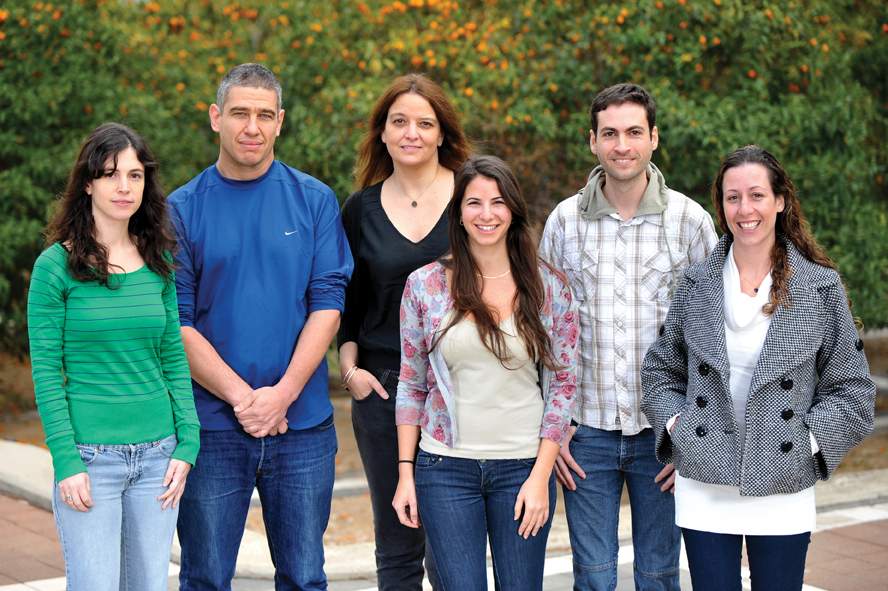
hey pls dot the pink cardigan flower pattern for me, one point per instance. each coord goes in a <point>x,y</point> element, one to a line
<point>425,392</point>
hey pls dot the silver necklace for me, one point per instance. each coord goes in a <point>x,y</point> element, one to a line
<point>414,201</point>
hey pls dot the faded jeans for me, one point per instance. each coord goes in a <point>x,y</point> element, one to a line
<point>123,542</point>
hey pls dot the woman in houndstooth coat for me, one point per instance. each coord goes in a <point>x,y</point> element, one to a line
<point>757,385</point>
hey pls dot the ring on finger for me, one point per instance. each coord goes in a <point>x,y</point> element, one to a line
<point>69,498</point>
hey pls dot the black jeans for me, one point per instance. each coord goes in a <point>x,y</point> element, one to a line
<point>399,549</point>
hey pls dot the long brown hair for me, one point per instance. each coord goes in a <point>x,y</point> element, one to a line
<point>374,162</point>
<point>73,224</point>
<point>521,244</point>
<point>791,223</point>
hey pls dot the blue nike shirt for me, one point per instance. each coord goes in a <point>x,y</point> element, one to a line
<point>254,259</point>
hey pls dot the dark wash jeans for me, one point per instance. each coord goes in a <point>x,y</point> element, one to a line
<point>462,504</point>
<point>399,549</point>
<point>293,473</point>
<point>776,563</point>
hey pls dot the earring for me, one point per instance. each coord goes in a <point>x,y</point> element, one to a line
<point>461,223</point>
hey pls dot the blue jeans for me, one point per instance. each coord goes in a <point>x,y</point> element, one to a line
<point>293,473</point>
<point>609,459</point>
<point>123,541</point>
<point>464,502</point>
<point>399,549</point>
<point>776,563</point>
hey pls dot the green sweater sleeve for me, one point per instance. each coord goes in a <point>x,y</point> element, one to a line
<point>46,322</point>
<point>177,376</point>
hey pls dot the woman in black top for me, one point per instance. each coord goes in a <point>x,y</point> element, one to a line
<point>395,224</point>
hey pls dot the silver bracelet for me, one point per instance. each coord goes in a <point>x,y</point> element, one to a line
<point>349,375</point>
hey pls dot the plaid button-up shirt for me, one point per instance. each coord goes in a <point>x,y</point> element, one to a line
<point>622,273</point>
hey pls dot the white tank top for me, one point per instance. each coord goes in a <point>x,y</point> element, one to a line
<point>498,411</point>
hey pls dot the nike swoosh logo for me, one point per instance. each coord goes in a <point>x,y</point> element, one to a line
<point>289,233</point>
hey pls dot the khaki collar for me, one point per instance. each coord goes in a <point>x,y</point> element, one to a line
<point>653,201</point>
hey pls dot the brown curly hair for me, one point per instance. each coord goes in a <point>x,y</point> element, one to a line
<point>791,223</point>
<point>73,224</point>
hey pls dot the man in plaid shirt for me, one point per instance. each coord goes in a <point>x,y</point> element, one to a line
<point>624,240</point>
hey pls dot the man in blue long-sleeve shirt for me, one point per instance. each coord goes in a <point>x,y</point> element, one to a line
<point>261,272</point>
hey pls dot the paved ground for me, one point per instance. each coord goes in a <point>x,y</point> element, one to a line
<point>842,557</point>
<point>849,551</point>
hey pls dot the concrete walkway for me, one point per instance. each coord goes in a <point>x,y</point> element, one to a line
<point>851,543</point>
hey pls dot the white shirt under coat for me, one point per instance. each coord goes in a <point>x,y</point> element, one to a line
<point>718,508</point>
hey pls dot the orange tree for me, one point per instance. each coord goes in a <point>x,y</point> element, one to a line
<point>59,66</point>
<point>804,79</point>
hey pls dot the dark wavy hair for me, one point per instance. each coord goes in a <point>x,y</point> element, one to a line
<point>374,162</point>
<point>791,223</point>
<point>521,243</point>
<point>73,225</point>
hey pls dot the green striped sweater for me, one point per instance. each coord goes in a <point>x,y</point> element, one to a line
<point>107,362</point>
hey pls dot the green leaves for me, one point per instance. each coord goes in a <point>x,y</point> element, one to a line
<point>804,79</point>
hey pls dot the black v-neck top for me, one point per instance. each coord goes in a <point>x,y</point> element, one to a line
<point>383,259</point>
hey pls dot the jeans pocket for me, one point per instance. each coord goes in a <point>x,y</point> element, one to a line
<point>527,462</point>
<point>88,453</point>
<point>167,446</point>
<point>427,460</point>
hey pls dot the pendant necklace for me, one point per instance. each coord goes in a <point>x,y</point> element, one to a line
<point>415,200</point>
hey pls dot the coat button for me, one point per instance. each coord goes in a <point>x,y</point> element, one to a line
<point>786,447</point>
<point>787,414</point>
<point>704,369</point>
<point>662,330</point>
<point>786,384</point>
<point>702,402</point>
<point>859,345</point>
<point>700,431</point>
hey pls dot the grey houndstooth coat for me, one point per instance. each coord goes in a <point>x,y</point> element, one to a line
<point>811,375</point>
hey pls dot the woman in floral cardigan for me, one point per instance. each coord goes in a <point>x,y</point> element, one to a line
<point>488,355</point>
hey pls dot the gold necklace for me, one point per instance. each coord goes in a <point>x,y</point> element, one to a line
<point>500,276</point>
<point>415,200</point>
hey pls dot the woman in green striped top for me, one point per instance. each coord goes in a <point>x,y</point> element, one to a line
<point>110,374</point>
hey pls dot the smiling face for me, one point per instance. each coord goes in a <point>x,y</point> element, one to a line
<point>117,194</point>
<point>412,133</point>
<point>623,141</point>
<point>750,205</point>
<point>248,124</point>
<point>484,213</point>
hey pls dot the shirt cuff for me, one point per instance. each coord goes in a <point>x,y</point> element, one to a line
<point>815,449</point>
<point>669,424</point>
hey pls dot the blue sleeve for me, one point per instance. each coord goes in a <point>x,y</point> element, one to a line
<point>332,263</point>
<point>185,282</point>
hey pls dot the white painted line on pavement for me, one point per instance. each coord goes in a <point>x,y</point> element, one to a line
<point>560,565</point>
<point>58,583</point>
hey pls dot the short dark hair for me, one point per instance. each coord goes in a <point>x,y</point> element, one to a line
<point>249,75</point>
<point>625,92</point>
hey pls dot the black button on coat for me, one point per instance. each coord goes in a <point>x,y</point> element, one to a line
<point>810,364</point>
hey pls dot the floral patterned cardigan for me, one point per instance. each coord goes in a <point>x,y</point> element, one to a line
<point>425,392</point>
